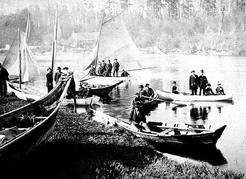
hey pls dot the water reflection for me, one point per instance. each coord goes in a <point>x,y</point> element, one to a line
<point>197,113</point>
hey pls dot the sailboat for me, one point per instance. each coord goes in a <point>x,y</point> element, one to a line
<point>21,66</point>
<point>113,42</point>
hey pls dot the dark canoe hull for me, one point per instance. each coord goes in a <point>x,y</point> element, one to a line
<point>102,92</point>
<point>209,138</point>
<point>27,140</point>
<point>150,105</point>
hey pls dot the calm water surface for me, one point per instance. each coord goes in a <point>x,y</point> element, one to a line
<point>230,71</point>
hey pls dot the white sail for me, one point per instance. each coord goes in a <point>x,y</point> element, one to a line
<point>29,68</point>
<point>114,42</point>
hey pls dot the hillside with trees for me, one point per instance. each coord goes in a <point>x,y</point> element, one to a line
<point>186,26</point>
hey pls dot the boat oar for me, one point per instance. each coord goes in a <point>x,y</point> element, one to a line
<point>179,104</point>
<point>137,69</point>
<point>82,80</point>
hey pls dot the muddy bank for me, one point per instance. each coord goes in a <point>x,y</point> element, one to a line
<point>80,148</point>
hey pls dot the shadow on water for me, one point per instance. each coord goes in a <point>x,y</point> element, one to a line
<point>209,154</point>
<point>72,160</point>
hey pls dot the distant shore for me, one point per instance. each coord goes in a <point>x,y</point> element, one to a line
<point>81,148</point>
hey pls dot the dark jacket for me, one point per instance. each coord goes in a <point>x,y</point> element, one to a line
<point>124,74</point>
<point>193,82</point>
<point>137,116</point>
<point>4,75</point>
<point>116,65</point>
<point>202,81</point>
<point>49,79</point>
<point>57,76</point>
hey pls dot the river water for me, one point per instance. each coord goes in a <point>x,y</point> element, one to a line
<point>229,70</point>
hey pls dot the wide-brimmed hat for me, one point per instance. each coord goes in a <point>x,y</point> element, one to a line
<point>192,71</point>
<point>141,86</point>
<point>146,85</point>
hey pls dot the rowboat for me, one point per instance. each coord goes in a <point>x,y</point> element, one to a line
<point>175,135</point>
<point>166,95</point>
<point>149,103</point>
<point>26,127</point>
<point>101,91</point>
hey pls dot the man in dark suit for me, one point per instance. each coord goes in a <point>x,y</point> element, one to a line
<point>116,66</point>
<point>4,76</point>
<point>49,79</point>
<point>193,83</point>
<point>202,83</point>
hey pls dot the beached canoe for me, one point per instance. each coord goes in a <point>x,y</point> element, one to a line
<point>175,135</point>
<point>24,128</point>
<point>165,95</point>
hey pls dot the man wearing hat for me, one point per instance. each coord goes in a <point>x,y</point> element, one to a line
<point>58,74</point>
<point>149,91</point>
<point>219,89</point>
<point>202,83</point>
<point>193,83</point>
<point>49,79</point>
<point>116,66</point>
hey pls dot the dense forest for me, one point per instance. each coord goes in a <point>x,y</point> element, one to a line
<point>189,26</point>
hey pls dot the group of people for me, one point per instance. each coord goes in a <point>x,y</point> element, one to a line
<point>137,115</point>
<point>105,69</point>
<point>4,77</point>
<point>200,82</point>
<point>58,74</point>
<point>145,93</point>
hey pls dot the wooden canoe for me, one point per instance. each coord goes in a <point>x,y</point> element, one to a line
<point>102,91</point>
<point>82,101</point>
<point>165,95</point>
<point>176,135</point>
<point>24,128</point>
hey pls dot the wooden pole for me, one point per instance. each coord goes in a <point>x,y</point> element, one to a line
<point>75,104</point>
<point>19,55</point>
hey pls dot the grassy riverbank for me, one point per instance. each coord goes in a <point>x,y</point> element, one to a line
<point>80,148</point>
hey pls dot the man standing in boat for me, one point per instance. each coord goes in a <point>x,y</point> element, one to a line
<point>4,76</point>
<point>49,79</point>
<point>202,83</point>
<point>108,69</point>
<point>193,83</point>
<point>116,66</point>
<point>58,74</point>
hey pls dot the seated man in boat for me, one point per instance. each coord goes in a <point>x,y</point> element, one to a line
<point>84,90</point>
<point>124,73</point>
<point>149,92</point>
<point>138,119</point>
<point>92,71</point>
<point>141,92</point>
<point>219,89</point>
<point>208,90</point>
<point>174,88</point>
<point>137,101</point>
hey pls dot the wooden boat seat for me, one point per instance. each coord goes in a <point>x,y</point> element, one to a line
<point>10,133</point>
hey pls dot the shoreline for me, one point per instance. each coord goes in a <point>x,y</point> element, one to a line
<point>80,148</point>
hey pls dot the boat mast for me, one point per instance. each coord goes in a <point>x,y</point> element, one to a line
<point>54,43</point>
<point>99,35</point>
<point>19,55</point>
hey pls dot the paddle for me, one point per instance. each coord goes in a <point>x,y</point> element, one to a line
<point>137,69</point>
<point>179,104</point>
